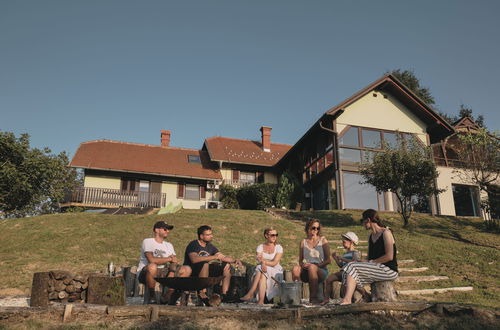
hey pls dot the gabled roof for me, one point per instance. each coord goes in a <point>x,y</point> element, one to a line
<point>466,124</point>
<point>238,151</point>
<point>437,126</point>
<point>144,159</point>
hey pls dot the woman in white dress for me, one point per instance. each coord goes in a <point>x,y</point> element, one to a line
<point>268,265</point>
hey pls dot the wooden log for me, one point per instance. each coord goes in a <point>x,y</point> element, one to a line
<point>383,291</point>
<point>129,279</point>
<point>126,311</point>
<point>67,280</point>
<point>79,278</point>
<point>403,306</point>
<point>437,290</point>
<point>59,286</point>
<point>413,270</point>
<point>54,295</point>
<point>67,312</point>
<point>62,295</point>
<point>154,313</point>
<point>70,289</point>
<point>405,262</point>
<point>59,274</point>
<point>418,279</point>
<point>336,290</point>
<point>287,275</point>
<point>106,290</point>
<point>39,290</point>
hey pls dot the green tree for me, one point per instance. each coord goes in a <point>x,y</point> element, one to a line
<point>408,78</point>
<point>32,181</point>
<point>407,170</point>
<point>464,111</point>
<point>285,192</point>
<point>479,153</point>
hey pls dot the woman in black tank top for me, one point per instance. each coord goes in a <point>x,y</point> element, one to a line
<point>382,264</point>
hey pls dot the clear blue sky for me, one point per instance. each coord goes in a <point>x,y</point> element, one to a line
<point>73,71</point>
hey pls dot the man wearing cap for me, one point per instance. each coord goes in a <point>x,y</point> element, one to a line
<point>156,253</point>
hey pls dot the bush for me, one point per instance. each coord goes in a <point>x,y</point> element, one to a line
<point>290,191</point>
<point>257,196</point>
<point>229,197</point>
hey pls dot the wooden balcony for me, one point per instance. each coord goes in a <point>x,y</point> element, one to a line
<point>238,183</point>
<point>109,198</point>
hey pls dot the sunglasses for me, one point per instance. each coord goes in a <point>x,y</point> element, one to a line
<point>273,235</point>
<point>315,228</point>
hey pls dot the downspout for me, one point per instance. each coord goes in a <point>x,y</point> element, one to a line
<point>338,177</point>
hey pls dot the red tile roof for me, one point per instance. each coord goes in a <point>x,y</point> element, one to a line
<point>244,151</point>
<point>143,158</point>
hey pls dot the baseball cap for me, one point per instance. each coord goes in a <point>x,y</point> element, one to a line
<point>162,224</point>
<point>351,237</point>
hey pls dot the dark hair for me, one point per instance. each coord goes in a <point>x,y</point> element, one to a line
<point>203,229</point>
<point>309,223</point>
<point>373,216</point>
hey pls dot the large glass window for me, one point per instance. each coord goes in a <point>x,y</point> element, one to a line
<point>371,138</point>
<point>391,139</point>
<point>192,192</point>
<point>466,199</point>
<point>350,155</point>
<point>357,195</point>
<point>350,138</point>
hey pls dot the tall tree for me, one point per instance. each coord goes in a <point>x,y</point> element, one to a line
<point>32,181</point>
<point>479,153</point>
<point>410,80</point>
<point>407,170</point>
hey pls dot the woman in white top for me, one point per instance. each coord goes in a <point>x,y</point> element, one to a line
<point>314,256</point>
<point>268,259</point>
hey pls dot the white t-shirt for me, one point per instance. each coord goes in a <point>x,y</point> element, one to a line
<point>269,256</point>
<point>159,250</point>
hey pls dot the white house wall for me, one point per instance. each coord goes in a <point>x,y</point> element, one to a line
<point>170,188</point>
<point>382,113</point>
<point>102,182</point>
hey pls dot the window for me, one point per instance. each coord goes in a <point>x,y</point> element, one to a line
<point>350,138</point>
<point>371,138</point>
<point>247,177</point>
<point>129,184</point>
<point>192,191</point>
<point>466,199</point>
<point>391,139</point>
<point>350,155</point>
<point>357,195</point>
<point>194,159</point>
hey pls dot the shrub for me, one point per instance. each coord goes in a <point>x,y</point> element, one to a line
<point>257,197</point>
<point>229,197</point>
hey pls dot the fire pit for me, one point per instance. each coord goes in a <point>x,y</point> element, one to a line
<point>189,283</point>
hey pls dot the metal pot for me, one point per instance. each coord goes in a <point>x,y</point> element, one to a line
<point>290,293</point>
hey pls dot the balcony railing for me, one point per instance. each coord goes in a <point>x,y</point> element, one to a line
<point>450,162</point>
<point>238,183</point>
<point>104,197</point>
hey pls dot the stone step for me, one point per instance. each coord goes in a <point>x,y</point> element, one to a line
<point>413,270</point>
<point>418,279</point>
<point>437,290</point>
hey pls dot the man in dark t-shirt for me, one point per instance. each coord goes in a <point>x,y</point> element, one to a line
<point>200,252</point>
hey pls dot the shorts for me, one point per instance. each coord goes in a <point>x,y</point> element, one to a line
<point>214,269</point>
<point>161,272</point>
<point>304,274</point>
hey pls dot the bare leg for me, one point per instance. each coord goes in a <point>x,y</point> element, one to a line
<point>296,273</point>
<point>250,294</point>
<point>262,290</point>
<point>328,287</point>
<point>151,271</point>
<point>313,283</point>
<point>349,290</point>
<point>203,273</point>
<point>227,279</point>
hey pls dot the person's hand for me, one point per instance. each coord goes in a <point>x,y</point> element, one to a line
<point>219,256</point>
<point>173,259</point>
<point>306,266</point>
<point>259,258</point>
<point>263,267</point>
<point>239,263</point>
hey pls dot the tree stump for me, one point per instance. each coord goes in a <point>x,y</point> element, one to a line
<point>39,290</point>
<point>106,290</point>
<point>383,291</point>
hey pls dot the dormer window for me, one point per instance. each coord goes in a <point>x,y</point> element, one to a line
<point>194,159</point>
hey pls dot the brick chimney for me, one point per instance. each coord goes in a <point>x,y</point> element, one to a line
<point>165,137</point>
<point>266,138</point>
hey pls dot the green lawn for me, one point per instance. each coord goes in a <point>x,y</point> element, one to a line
<point>456,247</point>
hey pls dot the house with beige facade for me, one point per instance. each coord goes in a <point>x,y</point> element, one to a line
<point>326,160</point>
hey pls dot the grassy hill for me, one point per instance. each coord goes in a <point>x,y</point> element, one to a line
<point>456,247</point>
